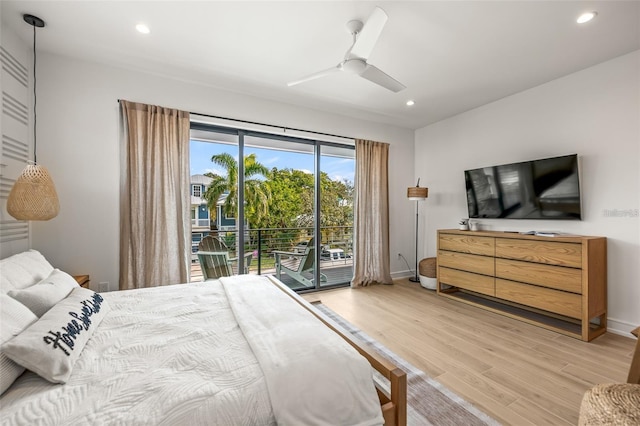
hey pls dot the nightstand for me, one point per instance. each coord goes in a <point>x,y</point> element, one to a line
<point>83,280</point>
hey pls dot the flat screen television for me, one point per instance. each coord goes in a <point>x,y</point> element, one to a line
<point>538,189</point>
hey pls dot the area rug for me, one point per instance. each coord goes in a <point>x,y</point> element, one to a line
<point>428,401</point>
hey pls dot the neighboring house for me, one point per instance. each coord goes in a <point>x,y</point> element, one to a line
<point>201,221</point>
<point>224,222</point>
<point>200,217</point>
<point>200,214</point>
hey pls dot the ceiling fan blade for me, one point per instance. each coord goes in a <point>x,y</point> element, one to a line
<point>314,76</point>
<point>374,75</point>
<point>370,33</point>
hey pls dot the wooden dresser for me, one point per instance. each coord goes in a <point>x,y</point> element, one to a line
<point>559,283</point>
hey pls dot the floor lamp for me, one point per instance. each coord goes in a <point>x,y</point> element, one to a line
<point>416,193</point>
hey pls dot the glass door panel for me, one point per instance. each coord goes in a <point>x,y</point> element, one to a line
<point>337,172</point>
<point>213,191</point>
<point>279,208</point>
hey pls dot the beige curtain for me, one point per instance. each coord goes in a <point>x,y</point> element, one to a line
<point>155,218</point>
<point>371,222</point>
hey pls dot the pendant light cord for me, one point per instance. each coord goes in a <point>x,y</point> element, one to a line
<point>35,98</point>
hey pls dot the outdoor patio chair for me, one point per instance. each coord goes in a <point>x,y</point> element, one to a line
<point>299,266</point>
<point>214,264</point>
<point>214,259</point>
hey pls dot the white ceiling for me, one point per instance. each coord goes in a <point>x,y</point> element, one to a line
<point>452,55</point>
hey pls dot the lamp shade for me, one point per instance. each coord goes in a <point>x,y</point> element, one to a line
<point>33,196</point>
<point>417,193</point>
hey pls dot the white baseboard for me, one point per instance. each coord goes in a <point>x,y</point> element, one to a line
<point>402,274</point>
<point>622,328</point>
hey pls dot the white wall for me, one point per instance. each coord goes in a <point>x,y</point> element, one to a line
<point>594,113</point>
<point>78,142</point>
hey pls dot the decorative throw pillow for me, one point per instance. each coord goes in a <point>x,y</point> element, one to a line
<point>51,346</point>
<point>43,296</point>
<point>14,317</point>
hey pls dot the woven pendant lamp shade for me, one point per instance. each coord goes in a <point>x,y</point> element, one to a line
<point>33,196</point>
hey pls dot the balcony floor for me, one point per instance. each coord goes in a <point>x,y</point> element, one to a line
<point>337,272</point>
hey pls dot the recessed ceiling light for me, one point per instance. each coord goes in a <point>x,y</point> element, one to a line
<point>586,17</point>
<point>410,103</point>
<point>143,29</point>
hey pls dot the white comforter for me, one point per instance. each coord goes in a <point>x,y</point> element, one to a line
<point>313,376</point>
<point>175,355</point>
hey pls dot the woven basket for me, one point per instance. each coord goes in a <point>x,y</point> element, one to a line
<point>427,267</point>
<point>611,404</point>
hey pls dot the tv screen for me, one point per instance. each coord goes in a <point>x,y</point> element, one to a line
<point>539,189</point>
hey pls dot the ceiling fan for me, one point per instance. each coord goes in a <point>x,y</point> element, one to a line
<point>365,37</point>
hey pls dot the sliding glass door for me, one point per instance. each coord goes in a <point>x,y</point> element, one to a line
<point>293,213</point>
<point>337,172</point>
<point>283,233</point>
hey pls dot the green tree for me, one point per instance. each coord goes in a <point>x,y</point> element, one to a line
<point>292,200</point>
<point>292,197</point>
<point>256,193</point>
<point>336,200</point>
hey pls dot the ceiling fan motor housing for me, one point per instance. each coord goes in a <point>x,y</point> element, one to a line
<point>353,66</point>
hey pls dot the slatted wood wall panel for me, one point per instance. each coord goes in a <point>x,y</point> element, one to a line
<point>15,151</point>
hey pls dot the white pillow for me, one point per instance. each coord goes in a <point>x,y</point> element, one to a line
<point>43,296</point>
<point>14,317</point>
<point>23,270</point>
<point>51,346</point>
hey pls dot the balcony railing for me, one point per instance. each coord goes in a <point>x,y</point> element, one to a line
<point>202,223</point>
<point>336,243</point>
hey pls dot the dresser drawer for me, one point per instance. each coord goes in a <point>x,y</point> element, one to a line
<point>559,302</point>
<point>467,244</point>
<point>467,262</point>
<point>548,252</point>
<point>566,279</point>
<point>467,280</point>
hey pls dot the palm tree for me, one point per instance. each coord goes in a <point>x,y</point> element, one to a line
<point>256,194</point>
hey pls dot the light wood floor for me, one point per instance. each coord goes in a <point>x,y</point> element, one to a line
<point>518,373</point>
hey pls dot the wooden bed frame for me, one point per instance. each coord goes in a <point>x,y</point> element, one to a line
<point>394,406</point>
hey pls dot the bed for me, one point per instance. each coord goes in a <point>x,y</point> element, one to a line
<point>239,350</point>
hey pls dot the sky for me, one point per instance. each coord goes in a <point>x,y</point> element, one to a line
<point>337,168</point>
